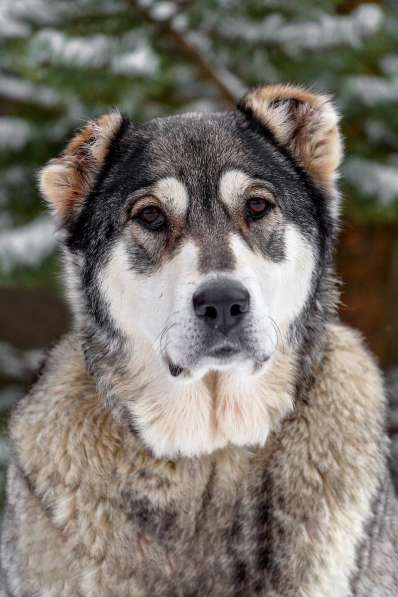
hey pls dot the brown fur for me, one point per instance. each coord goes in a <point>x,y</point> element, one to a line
<point>65,181</point>
<point>304,122</point>
<point>92,513</point>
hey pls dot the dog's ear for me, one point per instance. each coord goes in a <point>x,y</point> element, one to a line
<point>304,122</point>
<point>65,181</point>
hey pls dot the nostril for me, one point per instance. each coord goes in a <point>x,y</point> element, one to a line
<point>236,310</point>
<point>210,312</point>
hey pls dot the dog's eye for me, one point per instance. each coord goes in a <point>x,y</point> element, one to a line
<point>257,207</point>
<point>151,217</point>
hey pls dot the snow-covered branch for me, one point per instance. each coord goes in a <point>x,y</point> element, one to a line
<point>24,91</point>
<point>27,245</point>
<point>14,133</point>
<point>328,31</point>
<point>370,90</point>
<point>16,16</point>
<point>376,181</point>
<point>18,363</point>
<point>169,24</point>
<point>129,54</point>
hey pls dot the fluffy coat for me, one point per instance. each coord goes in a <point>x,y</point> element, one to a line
<point>264,478</point>
<point>91,513</point>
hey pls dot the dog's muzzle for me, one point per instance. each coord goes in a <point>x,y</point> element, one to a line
<point>220,309</point>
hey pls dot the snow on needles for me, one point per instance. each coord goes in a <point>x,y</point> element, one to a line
<point>377,181</point>
<point>14,133</point>
<point>128,54</point>
<point>371,90</point>
<point>327,32</point>
<point>28,244</point>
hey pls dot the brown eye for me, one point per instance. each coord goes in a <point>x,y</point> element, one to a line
<point>257,208</point>
<point>151,217</point>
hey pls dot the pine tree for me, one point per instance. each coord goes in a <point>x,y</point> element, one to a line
<point>63,62</point>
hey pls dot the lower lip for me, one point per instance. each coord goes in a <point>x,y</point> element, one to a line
<point>175,370</point>
<point>223,353</point>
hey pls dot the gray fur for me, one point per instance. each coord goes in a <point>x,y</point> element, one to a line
<point>308,512</point>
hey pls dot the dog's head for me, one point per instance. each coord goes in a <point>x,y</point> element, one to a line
<point>201,235</point>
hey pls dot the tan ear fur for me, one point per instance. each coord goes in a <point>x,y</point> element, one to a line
<point>306,123</point>
<point>65,181</point>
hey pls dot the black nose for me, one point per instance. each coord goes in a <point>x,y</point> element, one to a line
<point>222,304</point>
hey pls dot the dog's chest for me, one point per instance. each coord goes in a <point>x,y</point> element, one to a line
<point>211,538</point>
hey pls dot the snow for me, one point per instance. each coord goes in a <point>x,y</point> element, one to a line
<point>231,82</point>
<point>56,47</point>
<point>389,64</point>
<point>332,31</point>
<point>141,61</point>
<point>378,181</point>
<point>203,46</point>
<point>378,132</point>
<point>22,90</point>
<point>18,363</point>
<point>327,32</point>
<point>14,133</point>
<point>199,40</point>
<point>11,178</point>
<point>27,245</point>
<point>180,23</point>
<point>163,11</point>
<point>370,90</point>
<point>10,26</point>
<point>126,55</point>
<point>16,16</point>
<point>253,32</point>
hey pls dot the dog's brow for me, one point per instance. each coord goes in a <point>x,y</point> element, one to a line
<point>173,193</point>
<point>234,183</point>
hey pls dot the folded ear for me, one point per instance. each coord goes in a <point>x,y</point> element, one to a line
<point>304,122</point>
<point>66,180</point>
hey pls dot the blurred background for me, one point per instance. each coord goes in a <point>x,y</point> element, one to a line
<point>63,61</point>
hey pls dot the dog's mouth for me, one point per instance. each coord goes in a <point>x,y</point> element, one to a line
<point>222,353</point>
<point>175,370</point>
<point>225,351</point>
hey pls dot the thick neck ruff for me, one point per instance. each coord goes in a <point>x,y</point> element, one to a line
<point>197,417</point>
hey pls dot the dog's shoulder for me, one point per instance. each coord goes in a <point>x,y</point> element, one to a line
<point>349,346</point>
<point>345,409</point>
<point>55,426</point>
<point>350,369</point>
<point>332,450</point>
<point>63,378</point>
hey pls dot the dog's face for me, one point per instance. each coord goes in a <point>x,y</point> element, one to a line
<point>201,238</point>
<point>209,256</point>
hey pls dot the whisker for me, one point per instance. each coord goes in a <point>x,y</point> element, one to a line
<point>163,347</point>
<point>279,335</point>
<point>174,313</point>
<point>170,323</point>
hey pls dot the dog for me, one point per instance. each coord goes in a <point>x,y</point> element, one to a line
<point>208,427</point>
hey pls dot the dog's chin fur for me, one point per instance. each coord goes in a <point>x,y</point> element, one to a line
<point>201,410</point>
